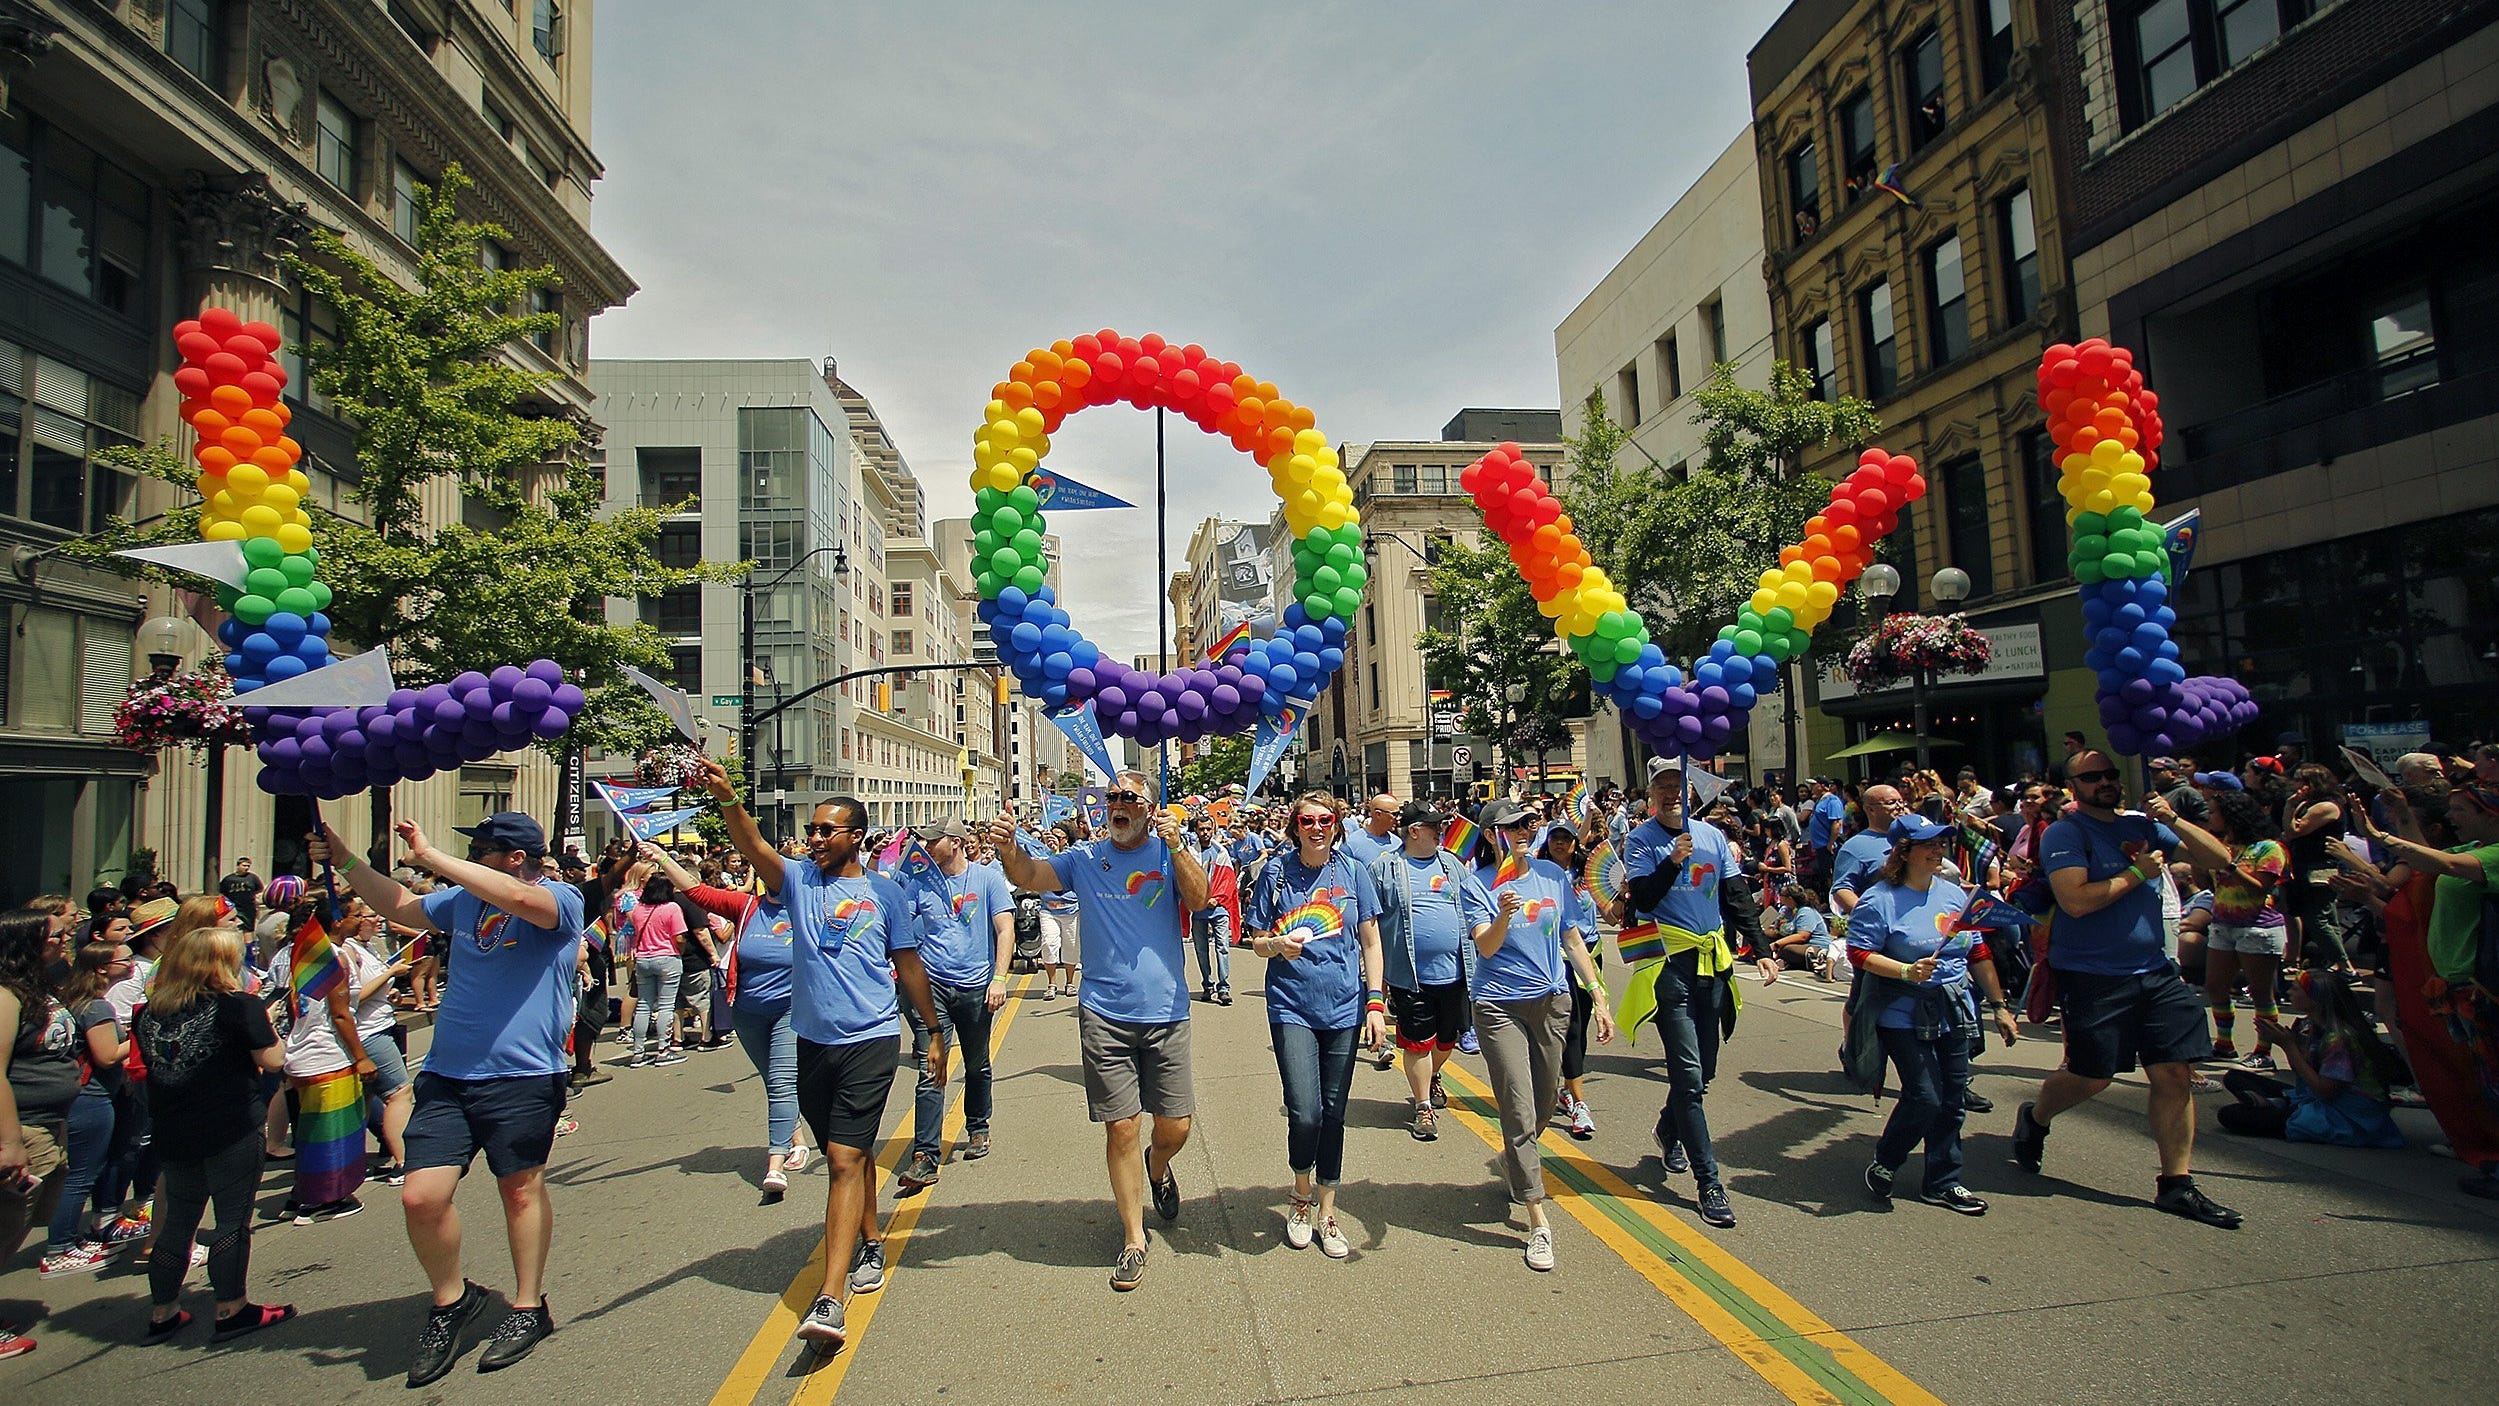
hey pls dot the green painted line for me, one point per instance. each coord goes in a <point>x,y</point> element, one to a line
<point>1810,1357</point>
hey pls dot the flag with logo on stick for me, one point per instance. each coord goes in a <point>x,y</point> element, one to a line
<point>1274,735</point>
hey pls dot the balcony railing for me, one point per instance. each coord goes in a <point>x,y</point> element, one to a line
<point>2317,423</point>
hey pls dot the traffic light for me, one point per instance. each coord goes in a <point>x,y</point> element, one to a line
<point>1003,685</point>
<point>884,696</point>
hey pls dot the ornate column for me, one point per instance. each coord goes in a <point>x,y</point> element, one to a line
<point>235,232</point>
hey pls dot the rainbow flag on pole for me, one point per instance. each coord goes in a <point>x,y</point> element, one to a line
<point>313,968</point>
<point>1238,634</point>
<point>1641,942</point>
<point>1459,837</point>
<point>1513,867</point>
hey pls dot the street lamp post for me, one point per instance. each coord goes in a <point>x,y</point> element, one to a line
<point>746,654</point>
<point>161,639</point>
<point>1949,586</point>
<point>1516,694</point>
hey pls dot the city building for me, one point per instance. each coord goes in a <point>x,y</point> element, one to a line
<point>759,457</point>
<point>167,157</point>
<point>1688,298</point>
<point>2285,210</point>
<point>1910,206</point>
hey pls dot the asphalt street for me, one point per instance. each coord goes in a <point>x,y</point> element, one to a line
<point>2359,1275</point>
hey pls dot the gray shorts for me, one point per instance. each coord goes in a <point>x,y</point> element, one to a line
<point>390,1067</point>
<point>2255,942</point>
<point>1132,1069</point>
<point>696,989</point>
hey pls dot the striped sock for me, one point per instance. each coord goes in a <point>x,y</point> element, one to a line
<point>2224,1020</point>
<point>2264,1013</point>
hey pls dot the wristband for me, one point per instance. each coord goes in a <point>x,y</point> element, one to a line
<point>1374,1002</point>
<point>345,863</point>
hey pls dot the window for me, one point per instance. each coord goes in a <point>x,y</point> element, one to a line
<point>1857,171</point>
<point>546,300</point>
<point>1822,361</point>
<point>546,30</point>
<point>195,37</point>
<point>334,143</point>
<point>1922,81</point>
<point>902,642</point>
<point>71,215</point>
<point>1995,44</point>
<point>2166,49</point>
<point>403,201</point>
<point>1670,367</point>
<point>670,476</point>
<point>49,440</point>
<point>681,545</point>
<point>1714,323</point>
<point>1874,328</point>
<point>411,26</point>
<point>1375,687</point>
<point>1804,191</point>
<point>1972,543</point>
<point>2048,546</point>
<point>1948,302</point>
<point>308,321</point>
<point>1627,393</point>
<point>902,602</point>
<point>2402,342</point>
<point>2020,237</point>
<point>685,668</point>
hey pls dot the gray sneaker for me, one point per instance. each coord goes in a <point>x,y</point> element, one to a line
<point>977,1146</point>
<point>824,1328</point>
<point>1129,1271</point>
<point>921,1171</point>
<point>867,1267</point>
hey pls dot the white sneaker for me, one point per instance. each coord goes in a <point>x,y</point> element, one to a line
<point>1540,1248</point>
<point>795,1160</point>
<point>775,1180</point>
<point>1297,1227</point>
<point>1332,1240</point>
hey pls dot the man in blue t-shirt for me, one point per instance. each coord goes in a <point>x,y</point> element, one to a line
<point>854,946</point>
<point>967,934</point>
<point>496,1076</point>
<point>1822,826</point>
<point>1861,856</point>
<point>2119,990</point>
<point>1431,909</point>
<point>1137,887</point>
<point>1376,835</point>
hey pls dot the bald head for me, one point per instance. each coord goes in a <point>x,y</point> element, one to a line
<point>1883,806</point>
<point>1380,818</point>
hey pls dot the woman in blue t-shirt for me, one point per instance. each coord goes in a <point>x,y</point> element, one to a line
<point>758,976</point>
<point>1323,993</point>
<point>1906,932</point>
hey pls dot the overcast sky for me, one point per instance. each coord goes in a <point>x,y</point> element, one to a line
<point>1384,208</point>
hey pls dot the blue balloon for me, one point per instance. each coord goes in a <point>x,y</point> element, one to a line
<point>230,632</point>
<point>1011,599</point>
<point>284,666</point>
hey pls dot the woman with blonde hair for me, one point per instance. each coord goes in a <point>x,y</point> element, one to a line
<point>205,1045</point>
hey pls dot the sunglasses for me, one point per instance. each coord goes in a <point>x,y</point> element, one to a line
<point>2093,778</point>
<point>1126,798</point>
<point>1313,822</point>
<point>821,831</point>
<point>483,851</point>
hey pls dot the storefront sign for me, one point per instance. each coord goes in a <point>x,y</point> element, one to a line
<point>2013,653</point>
<point>1445,711</point>
<point>2384,742</point>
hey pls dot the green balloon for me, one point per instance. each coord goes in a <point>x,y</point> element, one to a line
<point>1748,641</point>
<point>298,571</point>
<point>1602,669</point>
<point>226,597</point>
<point>1327,578</point>
<point>2087,571</point>
<point>1028,542</point>
<point>1626,651</point>
<point>1029,579</point>
<point>264,581</point>
<point>1350,535</point>
<point>985,501</point>
<point>1318,606</point>
<point>2117,566</point>
<point>320,595</point>
<point>1006,520</point>
<point>1341,556</point>
<point>1024,498</point>
<point>1348,600</point>
<point>262,551</point>
<point>313,555</point>
<point>1356,575</point>
<point>988,584</point>
<point>1006,561</point>
<point>1727,633</point>
<point>1748,619</point>
<point>2121,519</point>
<point>1780,618</point>
<point>2090,525</point>
<point>295,600</point>
<point>984,542</point>
<point>254,610</point>
<point>1777,647</point>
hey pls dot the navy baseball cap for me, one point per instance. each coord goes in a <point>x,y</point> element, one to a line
<point>508,829</point>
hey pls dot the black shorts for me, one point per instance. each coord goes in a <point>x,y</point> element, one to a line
<point>842,1089</point>
<point>1431,1018</point>
<point>511,1120</point>
<point>2113,1023</point>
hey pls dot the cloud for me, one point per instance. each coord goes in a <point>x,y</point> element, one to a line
<point>1383,209</point>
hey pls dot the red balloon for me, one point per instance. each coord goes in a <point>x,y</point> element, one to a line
<point>192,382</point>
<point>1151,343</point>
<point>247,347</point>
<point>186,327</point>
<point>225,367</point>
<point>1872,503</point>
<point>267,335</point>
<point>220,323</point>
<point>196,346</point>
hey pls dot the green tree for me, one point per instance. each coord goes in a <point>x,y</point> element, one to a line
<point>1496,639</point>
<point>1220,762</point>
<point>420,373</point>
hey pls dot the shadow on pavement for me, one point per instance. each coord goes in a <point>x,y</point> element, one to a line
<point>375,1338</point>
<point>766,1268</point>
<point>744,1163</point>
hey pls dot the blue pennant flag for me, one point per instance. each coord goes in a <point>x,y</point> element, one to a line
<point>646,826</point>
<point>1097,807</point>
<point>917,865</point>
<point>625,799</point>
<point>2178,537</point>
<point>1273,736</point>
<point>1085,730</point>
<point>1057,808</point>
<point>1060,493</point>
<point>1031,844</point>
<point>1985,910</point>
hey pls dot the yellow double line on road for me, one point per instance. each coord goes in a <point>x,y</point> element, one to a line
<point>1792,1349</point>
<point>747,1376</point>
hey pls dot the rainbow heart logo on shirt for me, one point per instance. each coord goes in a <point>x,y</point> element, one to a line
<point>852,914</point>
<point>962,901</point>
<point>1144,879</point>
<point>1440,883</point>
<point>1534,909</point>
<point>1701,875</point>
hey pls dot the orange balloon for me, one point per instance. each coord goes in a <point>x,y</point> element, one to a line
<point>1024,371</point>
<point>1791,555</point>
<point>1568,574</point>
<point>1847,538</point>
<point>294,451</point>
<point>1016,394</point>
<point>284,412</point>
<point>1076,373</point>
<point>211,423</point>
<point>1304,418</point>
<point>233,400</point>
<point>1826,568</point>
<point>241,440</point>
<point>1046,394</point>
<point>214,458</point>
<point>276,460</point>
<point>263,421</point>
<point>1279,441</point>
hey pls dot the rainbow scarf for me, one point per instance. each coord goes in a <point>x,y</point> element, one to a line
<point>1647,945</point>
<point>329,1138</point>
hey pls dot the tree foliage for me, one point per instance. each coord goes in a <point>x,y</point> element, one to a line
<point>1220,762</point>
<point>443,415</point>
<point>1496,637</point>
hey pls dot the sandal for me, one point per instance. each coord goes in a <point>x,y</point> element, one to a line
<point>252,1318</point>
<point>158,1332</point>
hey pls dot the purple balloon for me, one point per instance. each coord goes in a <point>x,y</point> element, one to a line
<point>569,698</point>
<point>552,722</point>
<point>532,694</point>
<point>545,671</point>
<point>501,682</point>
<point>449,713</point>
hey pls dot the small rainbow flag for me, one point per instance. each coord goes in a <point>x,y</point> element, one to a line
<point>1310,922</point>
<point>1459,838</point>
<point>1513,868</point>
<point>1641,942</point>
<point>313,968</point>
<point>1605,873</point>
<point>1238,634</point>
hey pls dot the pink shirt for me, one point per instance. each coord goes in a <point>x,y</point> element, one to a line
<point>656,928</point>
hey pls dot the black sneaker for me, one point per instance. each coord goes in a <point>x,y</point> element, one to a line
<point>2184,1198</point>
<point>438,1342</point>
<point>1976,1102</point>
<point>1879,1180</point>
<point>1128,1271</point>
<point>2030,1140</point>
<point>1669,1152</point>
<point>1955,1197</point>
<point>1166,1192</point>
<point>1714,1208</point>
<point>1223,998</point>
<point>392,1174</point>
<point>520,1332</point>
<point>1440,1096</point>
<point>825,1327</point>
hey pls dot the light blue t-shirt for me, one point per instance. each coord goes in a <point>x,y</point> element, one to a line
<point>764,958</point>
<point>1445,911</point>
<point>1692,902</point>
<point>2125,938</point>
<point>1361,847</point>
<point>1822,827</point>
<point>507,1008</point>
<point>845,932</point>
<point>1529,962</point>
<point>1860,858</point>
<point>958,934</point>
<point>1905,925</point>
<point>1135,953</point>
<point>1322,988</point>
<point>1809,923</point>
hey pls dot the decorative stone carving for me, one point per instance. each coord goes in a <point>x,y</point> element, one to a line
<point>26,35</point>
<point>237,223</point>
<point>282,95</point>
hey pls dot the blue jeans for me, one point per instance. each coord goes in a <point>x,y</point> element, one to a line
<point>130,1166</point>
<point>1687,1016</point>
<point>90,1138</point>
<point>1933,1074</point>
<point>963,1018</point>
<point>1211,931</point>
<point>1317,1067</point>
<point>773,1046</point>
<point>655,981</point>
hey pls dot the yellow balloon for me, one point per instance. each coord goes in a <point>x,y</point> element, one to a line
<point>2107,453</point>
<point>984,453</point>
<point>221,504</point>
<point>247,477</point>
<point>1553,609</point>
<point>1020,461</point>
<point>1003,477</point>
<point>2131,462</point>
<point>1762,601</point>
<point>2101,502</point>
<point>997,410</point>
<point>261,521</point>
<point>1329,482</point>
<point>1030,420</point>
<point>280,497</point>
<point>1309,442</point>
<point>1334,515</point>
<point>1823,595</point>
<point>1792,595</point>
<point>1770,580</point>
<point>1327,459</point>
<point>295,537</point>
<point>225,530</point>
<point>1300,468</point>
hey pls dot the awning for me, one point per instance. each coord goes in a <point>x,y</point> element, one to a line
<point>1883,742</point>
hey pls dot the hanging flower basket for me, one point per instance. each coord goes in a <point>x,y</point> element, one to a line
<point>680,764</point>
<point>1904,644</point>
<point>194,710</point>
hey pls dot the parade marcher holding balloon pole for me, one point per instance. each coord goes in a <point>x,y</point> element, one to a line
<point>1314,915</point>
<point>855,942</point>
<point>1137,886</point>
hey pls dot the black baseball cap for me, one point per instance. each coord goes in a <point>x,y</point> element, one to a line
<point>1502,813</point>
<point>1418,813</point>
<point>508,829</point>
